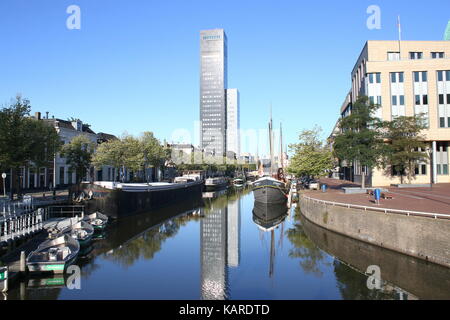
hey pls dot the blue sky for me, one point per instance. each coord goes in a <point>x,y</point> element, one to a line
<point>134,65</point>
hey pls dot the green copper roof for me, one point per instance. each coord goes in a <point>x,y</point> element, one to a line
<point>447,32</point>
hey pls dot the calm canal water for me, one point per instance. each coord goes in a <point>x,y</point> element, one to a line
<point>222,249</point>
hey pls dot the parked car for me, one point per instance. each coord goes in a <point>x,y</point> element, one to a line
<point>313,185</point>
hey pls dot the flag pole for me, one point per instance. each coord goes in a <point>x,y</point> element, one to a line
<point>399,35</point>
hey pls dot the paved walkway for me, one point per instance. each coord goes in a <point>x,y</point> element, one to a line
<point>433,200</point>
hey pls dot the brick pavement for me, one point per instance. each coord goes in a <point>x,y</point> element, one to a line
<point>433,200</point>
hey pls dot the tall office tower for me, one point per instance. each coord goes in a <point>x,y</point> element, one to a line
<point>447,32</point>
<point>213,253</point>
<point>233,122</point>
<point>233,233</point>
<point>213,82</point>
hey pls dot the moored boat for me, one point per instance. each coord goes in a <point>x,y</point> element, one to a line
<point>269,190</point>
<point>76,228</point>
<point>117,200</point>
<point>216,183</point>
<point>97,220</point>
<point>54,255</point>
<point>81,231</point>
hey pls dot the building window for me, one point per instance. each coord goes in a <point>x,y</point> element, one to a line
<point>437,55</point>
<point>442,158</point>
<point>421,169</point>
<point>415,55</point>
<point>374,77</point>
<point>393,56</point>
<point>444,101</point>
<point>420,76</point>
<point>417,99</point>
<point>379,100</point>
<point>397,171</point>
<point>397,77</point>
<point>443,75</point>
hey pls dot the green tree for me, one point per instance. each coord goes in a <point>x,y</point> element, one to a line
<point>312,157</point>
<point>153,152</point>
<point>402,150</point>
<point>360,139</point>
<point>24,141</point>
<point>125,152</point>
<point>78,154</point>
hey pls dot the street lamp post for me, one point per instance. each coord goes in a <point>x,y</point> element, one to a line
<point>4,184</point>
<point>430,156</point>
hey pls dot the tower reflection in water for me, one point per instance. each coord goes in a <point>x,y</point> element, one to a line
<point>219,244</point>
<point>220,240</point>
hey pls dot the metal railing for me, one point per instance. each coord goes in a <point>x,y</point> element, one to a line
<point>385,210</point>
<point>16,226</point>
<point>65,210</point>
<point>8,207</point>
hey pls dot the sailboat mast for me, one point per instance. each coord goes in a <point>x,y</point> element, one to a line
<point>272,253</point>
<point>281,147</point>
<point>271,141</point>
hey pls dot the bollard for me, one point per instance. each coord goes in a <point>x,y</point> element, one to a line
<point>22,261</point>
<point>377,195</point>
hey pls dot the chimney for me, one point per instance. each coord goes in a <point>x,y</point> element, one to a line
<point>37,115</point>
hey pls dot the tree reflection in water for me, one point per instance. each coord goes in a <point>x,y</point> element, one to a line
<point>311,257</point>
<point>147,244</point>
<point>353,285</point>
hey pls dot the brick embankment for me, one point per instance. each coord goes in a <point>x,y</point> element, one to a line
<point>421,237</point>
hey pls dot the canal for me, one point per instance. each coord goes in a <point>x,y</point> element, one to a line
<point>224,248</point>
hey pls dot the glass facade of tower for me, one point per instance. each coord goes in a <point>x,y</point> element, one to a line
<point>213,82</point>
<point>233,125</point>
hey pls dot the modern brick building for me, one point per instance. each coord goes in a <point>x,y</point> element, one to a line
<point>406,78</point>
